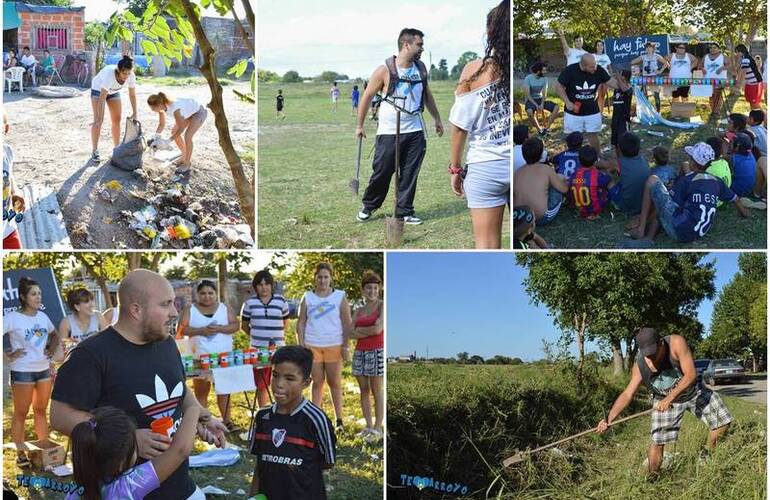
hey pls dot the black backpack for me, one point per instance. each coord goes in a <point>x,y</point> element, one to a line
<point>394,79</point>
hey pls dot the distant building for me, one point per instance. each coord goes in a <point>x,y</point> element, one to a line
<point>61,30</point>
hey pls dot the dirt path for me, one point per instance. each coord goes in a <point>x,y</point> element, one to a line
<point>51,142</point>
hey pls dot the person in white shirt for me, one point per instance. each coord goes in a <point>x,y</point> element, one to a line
<point>105,88</point>
<point>188,115</point>
<point>29,62</point>
<point>481,117</point>
<point>324,319</point>
<point>603,60</point>
<point>573,54</point>
<point>30,341</point>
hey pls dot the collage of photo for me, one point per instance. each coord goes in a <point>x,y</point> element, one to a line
<point>433,250</point>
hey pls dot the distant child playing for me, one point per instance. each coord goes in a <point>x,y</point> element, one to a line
<point>279,114</point>
<point>355,97</point>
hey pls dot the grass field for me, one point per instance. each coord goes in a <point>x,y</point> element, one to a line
<point>306,161</point>
<point>456,424</point>
<point>357,474</point>
<point>729,230</point>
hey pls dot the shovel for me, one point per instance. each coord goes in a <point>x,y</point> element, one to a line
<point>394,226</point>
<point>353,184</point>
<point>519,455</point>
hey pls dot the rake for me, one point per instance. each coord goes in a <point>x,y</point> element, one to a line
<point>519,455</point>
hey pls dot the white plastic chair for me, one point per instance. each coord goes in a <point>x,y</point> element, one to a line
<point>15,75</point>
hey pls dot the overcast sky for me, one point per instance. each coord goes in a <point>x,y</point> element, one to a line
<point>354,37</point>
<point>101,10</point>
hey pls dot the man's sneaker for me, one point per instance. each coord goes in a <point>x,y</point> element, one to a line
<point>755,203</point>
<point>411,219</point>
<point>364,215</point>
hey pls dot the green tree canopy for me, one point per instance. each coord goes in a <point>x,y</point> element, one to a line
<point>291,76</point>
<point>618,293</point>
<point>464,59</point>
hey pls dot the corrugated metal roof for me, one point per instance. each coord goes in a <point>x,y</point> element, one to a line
<point>43,225</point>
<point>46,9</point>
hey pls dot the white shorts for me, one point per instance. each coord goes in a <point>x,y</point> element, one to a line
<point>588,123</point>
<point>488,184</point>
<point>335,98</point>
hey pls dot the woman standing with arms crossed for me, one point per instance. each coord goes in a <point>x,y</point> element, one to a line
<point>369,356</point>
<point>210,324</point>
<point>324,316</point>
<point>481,116</point>
<point>33,342</point>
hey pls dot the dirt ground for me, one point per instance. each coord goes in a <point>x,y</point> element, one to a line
<point>52,145</point>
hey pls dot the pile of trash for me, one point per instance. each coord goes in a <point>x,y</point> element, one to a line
<point>171,220</point>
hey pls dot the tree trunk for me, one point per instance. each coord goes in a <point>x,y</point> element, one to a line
<point>222,270</point>
<point>629,359</point>
<point>134,261</point>
<point>105,291</point>
<point>156,256</point>
<point>580,329</point>
<point>250,15</point>
<point>100,280</point>
<point>244,188</point>
<point>617,356</point>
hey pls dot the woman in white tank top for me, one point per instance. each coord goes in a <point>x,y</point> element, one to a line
<point>715,65</point>
<point>210,325</point>
<point>188,115</point>
<point>481,115</point>
<point>324,320</point>
<point>83,321</point>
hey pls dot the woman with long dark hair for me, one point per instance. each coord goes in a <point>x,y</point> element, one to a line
<point>31,344</point>
<point>481,117</point>
<point>105,89</point>
<point>750,76</point>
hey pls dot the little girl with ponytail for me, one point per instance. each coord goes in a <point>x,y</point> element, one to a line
<point>104,456</point>
<point>188,116</point>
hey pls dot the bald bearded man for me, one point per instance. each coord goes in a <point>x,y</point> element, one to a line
<point>578,85</point>
<point>135,365</point>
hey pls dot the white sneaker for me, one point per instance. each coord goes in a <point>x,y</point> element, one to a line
<point>412,220</point>
<point>364,215</point>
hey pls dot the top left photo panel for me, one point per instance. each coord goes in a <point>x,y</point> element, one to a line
<point>129,125</point>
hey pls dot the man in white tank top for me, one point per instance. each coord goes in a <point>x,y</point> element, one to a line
<point>410,94</point>
<point>715,65</point>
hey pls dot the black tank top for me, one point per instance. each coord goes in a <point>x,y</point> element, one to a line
<point>669,374</point>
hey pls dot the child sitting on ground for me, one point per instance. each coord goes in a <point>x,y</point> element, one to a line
<point>188,115</point>
<point>538,185</point>
<point>566,163</point>
<point>524,235</point>
<point>590,185</point>
<point>719,168</point>
<point>689,210</point>
<point>293,439</point>
<point>626,195</point>
<point>755,121</point>
<point>744,166</point>
<point>104,453</point>
<point>521,134</point>
<point>665,172</point>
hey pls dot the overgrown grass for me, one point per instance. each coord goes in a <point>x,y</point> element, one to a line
<point>306,161</point>
<point>729,230</point>
<point>457,423</point>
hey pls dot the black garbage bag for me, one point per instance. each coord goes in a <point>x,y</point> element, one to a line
<point>128,154</point>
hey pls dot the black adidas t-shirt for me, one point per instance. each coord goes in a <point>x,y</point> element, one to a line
<point>146,381</point>
<point>291,451</point>
<point>582,87</point>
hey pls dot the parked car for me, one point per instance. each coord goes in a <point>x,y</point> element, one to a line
<point>700,367</point>
<point>720,370</point>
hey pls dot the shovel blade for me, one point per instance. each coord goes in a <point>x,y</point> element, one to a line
<point>394,228</point>
<point>513,459</point>
<point>353,185</point>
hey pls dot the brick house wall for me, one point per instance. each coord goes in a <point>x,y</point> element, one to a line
<point>72,22</point>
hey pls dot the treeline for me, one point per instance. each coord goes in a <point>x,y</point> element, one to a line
<point>440,72</point>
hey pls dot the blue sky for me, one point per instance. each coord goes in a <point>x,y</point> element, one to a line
<point>354,37</point>
<point>474,302</point>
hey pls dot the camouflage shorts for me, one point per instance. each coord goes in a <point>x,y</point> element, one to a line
<point>705,404</point>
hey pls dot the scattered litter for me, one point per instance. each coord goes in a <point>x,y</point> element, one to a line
<point>109,191</point>
<point>213,490</point>
<point>244,436</point>
<point>656,134</point>
<point>351,387</point>
<point>107,220</point>
<point>220,478</point>
<point>62,470</point>
<point>558,451</point>
<point>374,457</point>
<point>240,491</point>
<point>667,462</point>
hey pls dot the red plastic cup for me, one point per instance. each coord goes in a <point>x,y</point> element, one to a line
<point>162,426</point>
<point>223,360</point>
<point>576,107</point>
<point>205,362</point>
